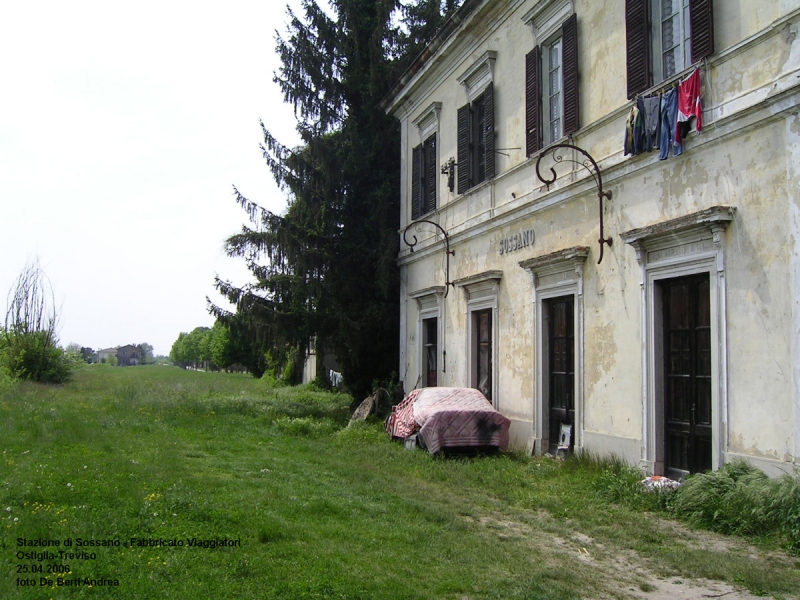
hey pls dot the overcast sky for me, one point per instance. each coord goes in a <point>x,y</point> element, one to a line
<point>123,128</point>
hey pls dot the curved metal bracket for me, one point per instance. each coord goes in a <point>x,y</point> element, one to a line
<point>590,165</point>
<point>447,250</point>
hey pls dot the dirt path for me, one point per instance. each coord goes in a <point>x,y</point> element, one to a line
<point>624,573</point>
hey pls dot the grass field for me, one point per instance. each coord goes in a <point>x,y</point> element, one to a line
<point>313,509</point>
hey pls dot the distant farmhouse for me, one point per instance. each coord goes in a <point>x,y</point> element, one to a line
<point>102,355</point>
<point>128,356</point>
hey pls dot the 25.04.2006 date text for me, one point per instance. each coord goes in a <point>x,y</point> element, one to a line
<point>43,569</point>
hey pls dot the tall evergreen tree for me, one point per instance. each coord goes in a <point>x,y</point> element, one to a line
<point>325,270</point>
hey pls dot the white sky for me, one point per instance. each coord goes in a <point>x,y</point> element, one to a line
<point>122,130</point>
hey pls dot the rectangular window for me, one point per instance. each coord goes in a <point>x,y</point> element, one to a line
<point>483,351</point>
<point>553,94</point>
<point>671,35</point>
<point>430,351</point>
<point>423,175</point>
<point>664,37</point>
<point>476,141</point>
<point>551,89</point>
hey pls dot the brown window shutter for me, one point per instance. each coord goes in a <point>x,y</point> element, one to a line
<point>488,129</point>
<point>416,157</point>
<point>701,20</point>
<point>569,36</point>
<point>463,149</point>
<point>533,104</point>
<point>637,44</point>
<point>430,173</point>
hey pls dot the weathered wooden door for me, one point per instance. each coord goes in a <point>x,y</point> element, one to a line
<point>687,375</point>
<point>431,353</point>
<point>483,354</point>
<point>561,365</point>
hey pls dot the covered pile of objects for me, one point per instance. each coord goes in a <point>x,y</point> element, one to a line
<point>448,418</point>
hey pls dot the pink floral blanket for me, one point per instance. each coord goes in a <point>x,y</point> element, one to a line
<point>449,418</point>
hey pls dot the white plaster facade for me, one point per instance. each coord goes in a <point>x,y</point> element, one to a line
<point>727,210</point>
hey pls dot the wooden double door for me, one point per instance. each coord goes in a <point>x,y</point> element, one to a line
<point>687,375</point>
<point>560,372</point>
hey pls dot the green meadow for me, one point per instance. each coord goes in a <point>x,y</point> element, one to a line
<point>161,483</point>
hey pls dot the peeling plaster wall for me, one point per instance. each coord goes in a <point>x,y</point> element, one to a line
<point>793,197</point>
<point>747,156</point>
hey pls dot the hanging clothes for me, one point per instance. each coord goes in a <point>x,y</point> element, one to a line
<point>669,116</point>
<point>689,103</point>
<point>629,137</point>
<point>638,128</point>
<point>652,121</point>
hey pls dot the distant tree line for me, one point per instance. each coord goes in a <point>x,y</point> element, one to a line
<point>210,349</point>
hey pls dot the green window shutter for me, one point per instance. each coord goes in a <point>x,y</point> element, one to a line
<point>569,35</point>
<point>637,44</point>
<point>533,101</point>
<point>463,148</point>
<point>488,130</point>
<point>416,160</point>
<point>701,20</point>
<point>430,174</point>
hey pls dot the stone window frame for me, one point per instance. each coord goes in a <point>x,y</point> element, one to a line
<point>688,245</point>
<point>429,306</point>
<point>481,292</point>
<point>552,276</point>
<point>551,21</point>
<point>471,132</point>
<point>427,124</point>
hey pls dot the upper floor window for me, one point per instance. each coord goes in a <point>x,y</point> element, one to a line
<point>552,94</point>
<point>664,37</point>
<point>476,141</point>
<point>672,42</point>
<point>551,88</point>
<point>475,122</point>
<point>423,178</point>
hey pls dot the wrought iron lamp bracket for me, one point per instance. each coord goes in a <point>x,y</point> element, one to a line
<point>449,169</point>
<point>591,166</point>
<point>448,252</point>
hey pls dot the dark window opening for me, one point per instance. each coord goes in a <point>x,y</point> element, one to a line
<point>483,351</point>
<point>560,331</point>
<point>430,345</point>
<point>687,375</point>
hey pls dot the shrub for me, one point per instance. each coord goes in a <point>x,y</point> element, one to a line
<point>33,356</point>
<point>30,345</point>
<point>741,499</point>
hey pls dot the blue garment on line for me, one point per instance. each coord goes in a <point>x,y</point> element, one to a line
<point>669,116</point>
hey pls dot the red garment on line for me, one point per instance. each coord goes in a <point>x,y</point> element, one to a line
<point>689,102</point>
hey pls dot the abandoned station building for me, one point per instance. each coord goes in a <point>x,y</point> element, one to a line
<point>601,224</point>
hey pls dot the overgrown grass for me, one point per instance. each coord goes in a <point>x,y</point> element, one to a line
<point>739,499</point>
<point>322,510</point>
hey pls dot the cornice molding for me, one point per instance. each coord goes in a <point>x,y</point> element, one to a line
<point>576,254</point>
<point>437,290</point>
<point>716,215</point>
<point>493,276</point>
